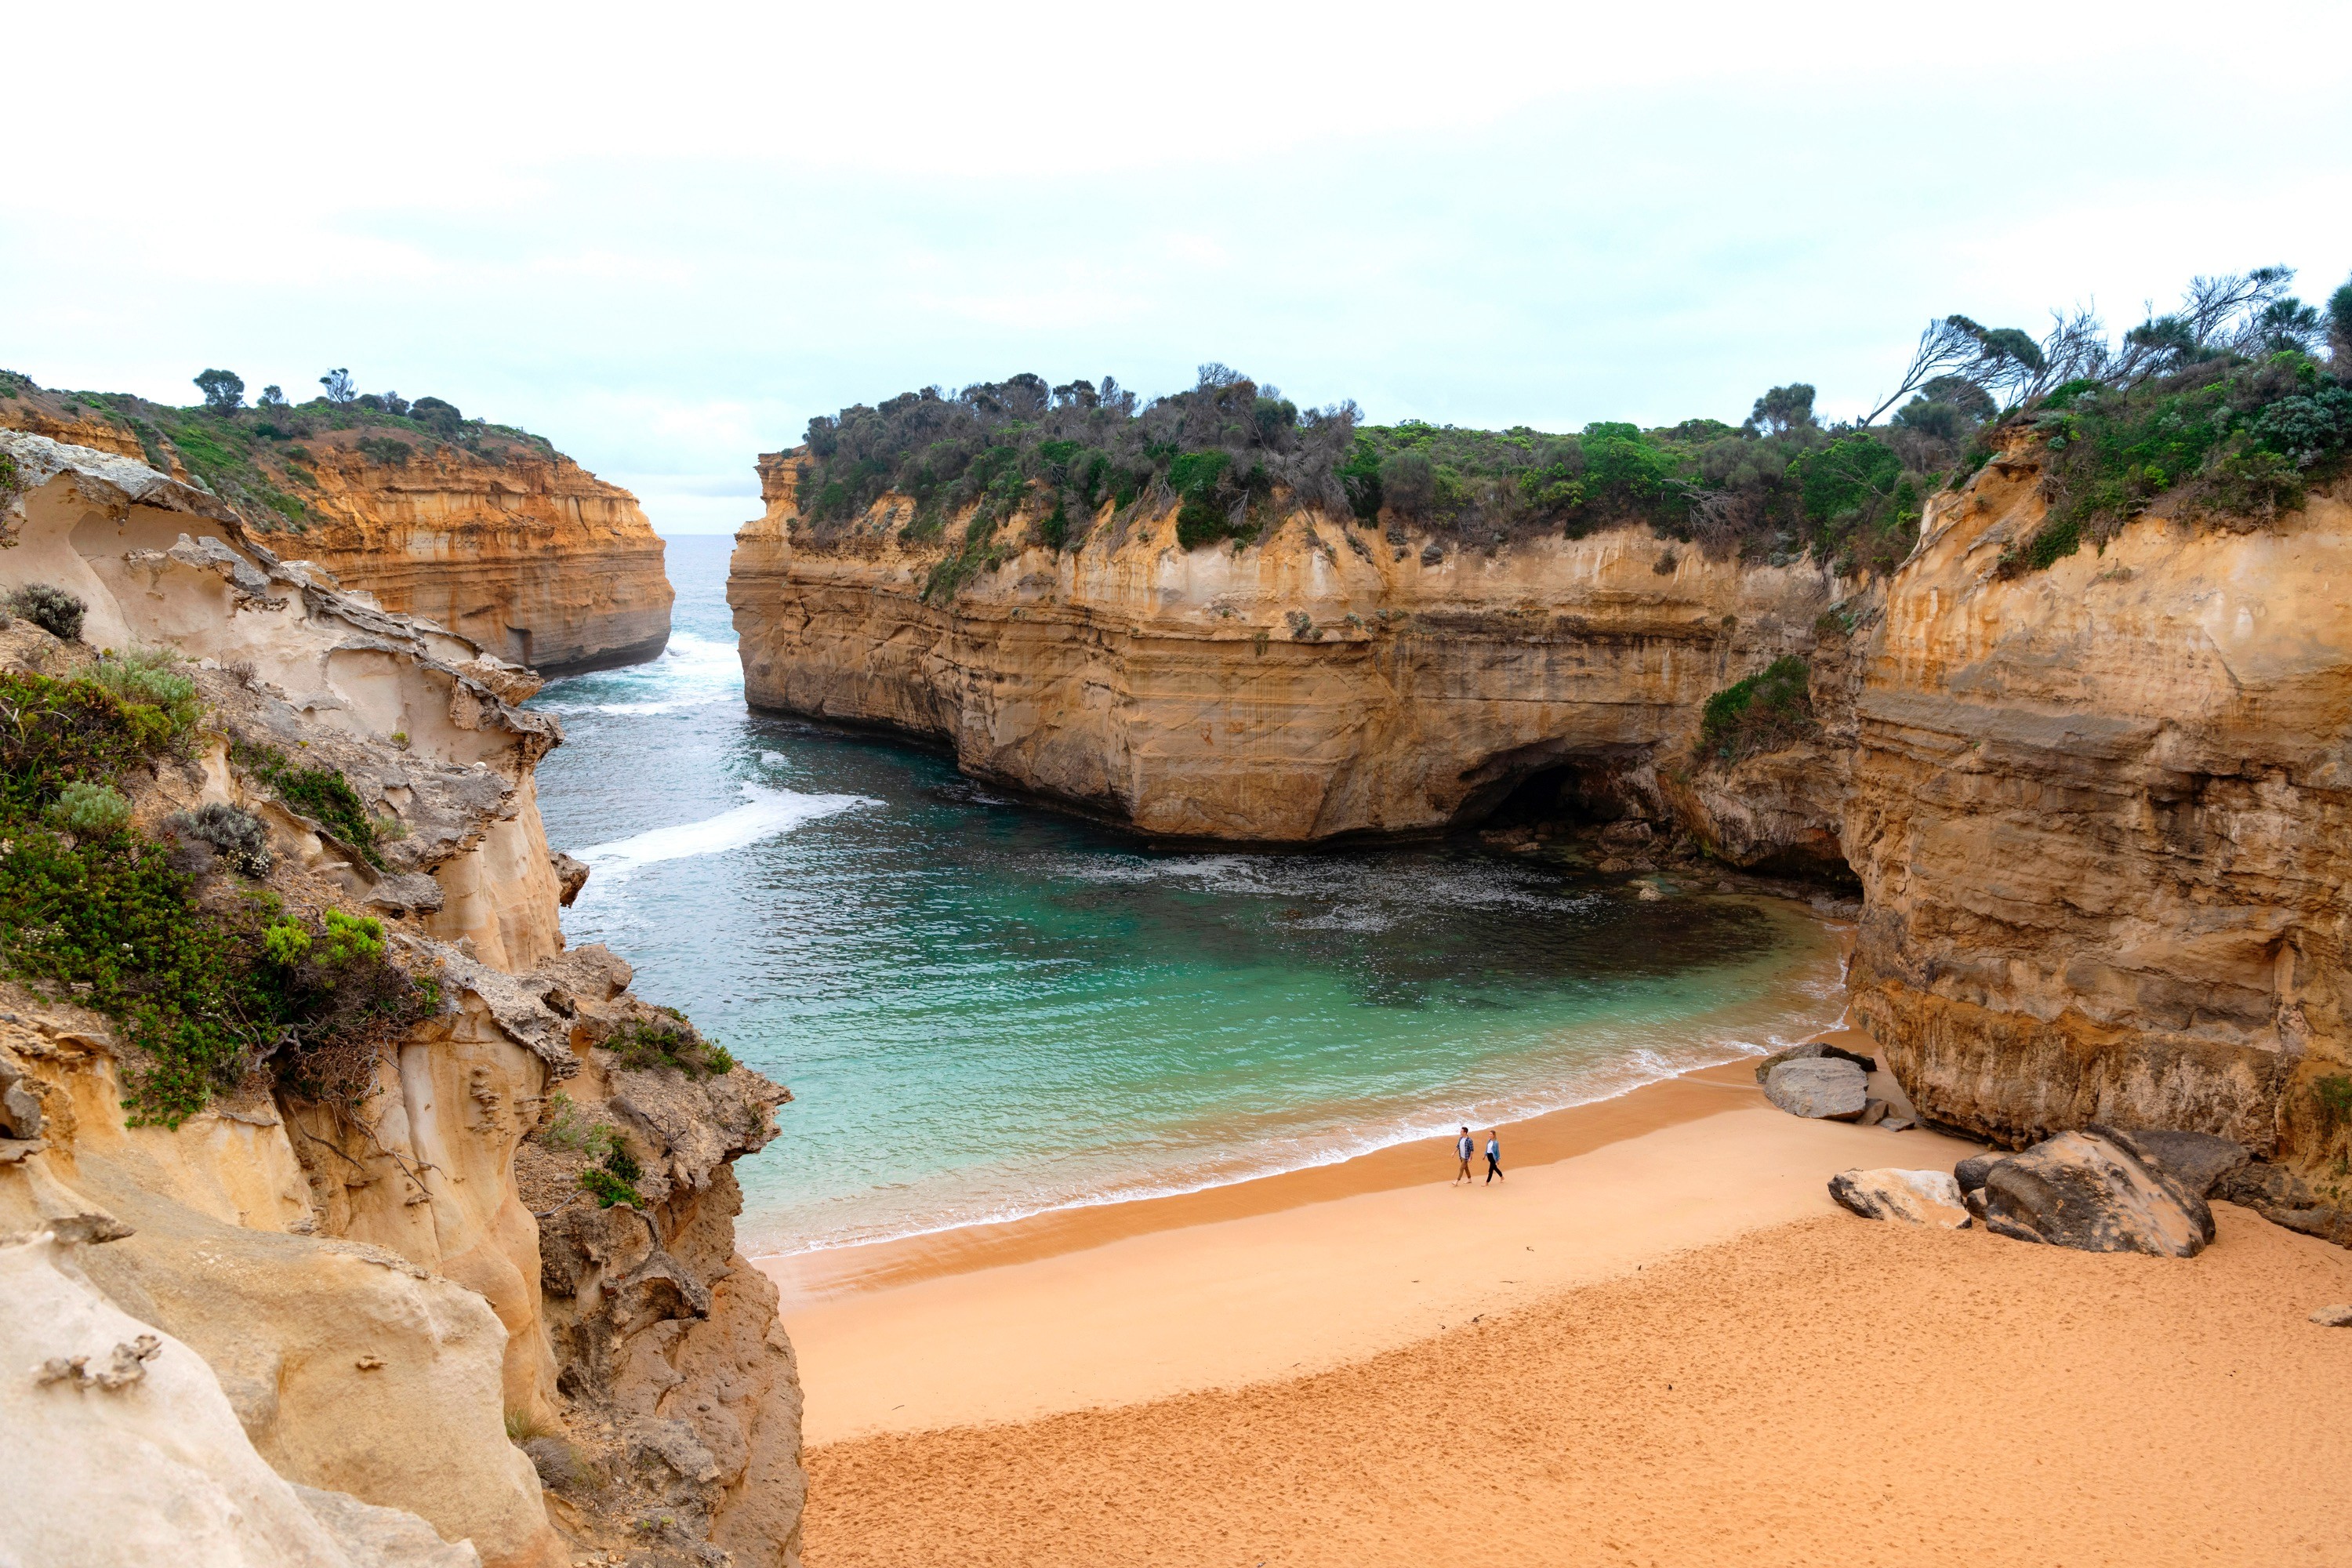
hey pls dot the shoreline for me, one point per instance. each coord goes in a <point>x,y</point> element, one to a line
<point>1264,1279</point>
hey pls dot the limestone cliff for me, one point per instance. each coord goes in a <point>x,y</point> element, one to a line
<point>2100,813</point>
<point>348,1250</point>
<point>486,532</point>
<point>1328,681</point>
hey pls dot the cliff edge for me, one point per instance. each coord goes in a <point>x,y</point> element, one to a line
<point>389,1228</point>
<point>486,531</point>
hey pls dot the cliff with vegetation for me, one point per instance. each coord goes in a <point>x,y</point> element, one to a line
<point>368,1224</point>
<point>2054,667</point>
<point>481,529</point>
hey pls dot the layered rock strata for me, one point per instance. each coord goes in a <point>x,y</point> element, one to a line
<point>1329,681</point>
<point>504,540</point>
<point>363,1280</point>
<point>2101,816</point>
<point>2098,813</point>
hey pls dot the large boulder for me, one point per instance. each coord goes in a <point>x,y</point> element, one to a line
<point>2095,1192</point>
<point>1824,1087</point>
<point>1921,1197</point>
<point>1971,1171</point>
<point>2195,1160</point>
<point>2283,1198</point>
<point>1813,1050</point>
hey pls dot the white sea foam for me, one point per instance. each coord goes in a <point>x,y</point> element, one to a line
<point>692,673</point>
<point>765,814</point>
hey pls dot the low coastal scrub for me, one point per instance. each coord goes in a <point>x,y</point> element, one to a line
<point>263,458</point>
<point>674,1043</point>
<point>322,795</point>
<point>1768,711</point>
<point>206,981</point>
<point>2223,407</point>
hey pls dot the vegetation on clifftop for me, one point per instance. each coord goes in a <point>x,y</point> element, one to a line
<point>262,459</point>
<point>2221,404</point>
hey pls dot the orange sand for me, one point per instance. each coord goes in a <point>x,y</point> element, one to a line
<point>1365,1365</point>
<point>1834,1391</point>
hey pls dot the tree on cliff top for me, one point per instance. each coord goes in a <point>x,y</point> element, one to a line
<point>224,390</point>
<point>341,387</point>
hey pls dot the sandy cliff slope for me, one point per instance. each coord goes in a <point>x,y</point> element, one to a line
<point>380,1303</point>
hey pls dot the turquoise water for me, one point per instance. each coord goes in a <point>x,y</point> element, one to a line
<point>986,1010</point>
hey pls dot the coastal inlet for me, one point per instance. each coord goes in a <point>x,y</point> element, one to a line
<point>987,1010</point>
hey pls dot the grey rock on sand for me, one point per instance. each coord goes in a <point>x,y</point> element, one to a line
<point>2094,1192</point>
<point>1971,1171</point>
<point>1921,1197</point>
<point>1812,1051</point>
<point>2333,1317</point>
<point>1823,1088</point>
<point>2195,1160</point>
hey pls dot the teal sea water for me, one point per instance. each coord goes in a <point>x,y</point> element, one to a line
<point>986,1010</point>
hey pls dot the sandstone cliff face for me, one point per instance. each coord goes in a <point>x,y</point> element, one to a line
<point>366,1280</point>
<point>1326,681</point>
<point>2100,813</point>
<point>500,538</point>
<point>532,557</point>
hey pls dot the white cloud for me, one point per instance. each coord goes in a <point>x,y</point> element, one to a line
<point>666,238</point>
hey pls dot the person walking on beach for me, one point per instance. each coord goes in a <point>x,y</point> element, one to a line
<point>1463,1146</point>
<point>1494,1155</point>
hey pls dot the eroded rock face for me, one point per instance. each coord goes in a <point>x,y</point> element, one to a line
<point>144,1461</point>
<point>1326,681</point>
<point>533,557</point>
<point>364,1278</point>
<point>516,547</point>
<point>2100,814</point>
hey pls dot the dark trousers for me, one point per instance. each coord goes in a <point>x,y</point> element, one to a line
<point>1494,1166</point>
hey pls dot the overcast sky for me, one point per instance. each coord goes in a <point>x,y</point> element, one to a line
<point>665,237</point>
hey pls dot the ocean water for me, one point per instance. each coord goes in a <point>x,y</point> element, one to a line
<point>986,1010</point>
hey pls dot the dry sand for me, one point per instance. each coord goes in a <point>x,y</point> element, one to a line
<point>1338,1367</point>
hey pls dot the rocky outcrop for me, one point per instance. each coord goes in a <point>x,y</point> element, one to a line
<point>2094,1192</point>
<point>1328,681</point>
<point>2100,816</point>
<point>360,1269</point>
<point>490,533</point>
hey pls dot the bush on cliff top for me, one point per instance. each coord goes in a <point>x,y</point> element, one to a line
<point>1229,456</point>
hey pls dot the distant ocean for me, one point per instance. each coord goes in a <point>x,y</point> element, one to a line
<point>986,1010</point>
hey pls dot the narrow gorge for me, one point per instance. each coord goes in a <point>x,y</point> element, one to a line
<point>354,1219</point>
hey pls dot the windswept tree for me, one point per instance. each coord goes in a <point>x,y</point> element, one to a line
<point>272,397</point>
<point>224,390</point>
<point>1782,409</point>
<point>341,388</point>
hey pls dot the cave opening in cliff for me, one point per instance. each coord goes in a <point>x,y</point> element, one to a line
<point>1579,790</point>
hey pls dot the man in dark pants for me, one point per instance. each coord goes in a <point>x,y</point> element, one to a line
<point>1494,1155</point>
<point>1462,1147</point>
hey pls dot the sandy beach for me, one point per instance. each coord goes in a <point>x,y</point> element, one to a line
<point>1363,1364</point>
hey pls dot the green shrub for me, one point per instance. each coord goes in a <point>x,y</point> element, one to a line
<point>322,795</point>
<point>645,1046</point>
<point>53,610</point>
<point>151,677</point>
<point>608,1189</point>
<point>90,810</point>
<point>1764,713</point>
<point>386,450</point>
<point>569,1130</point>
